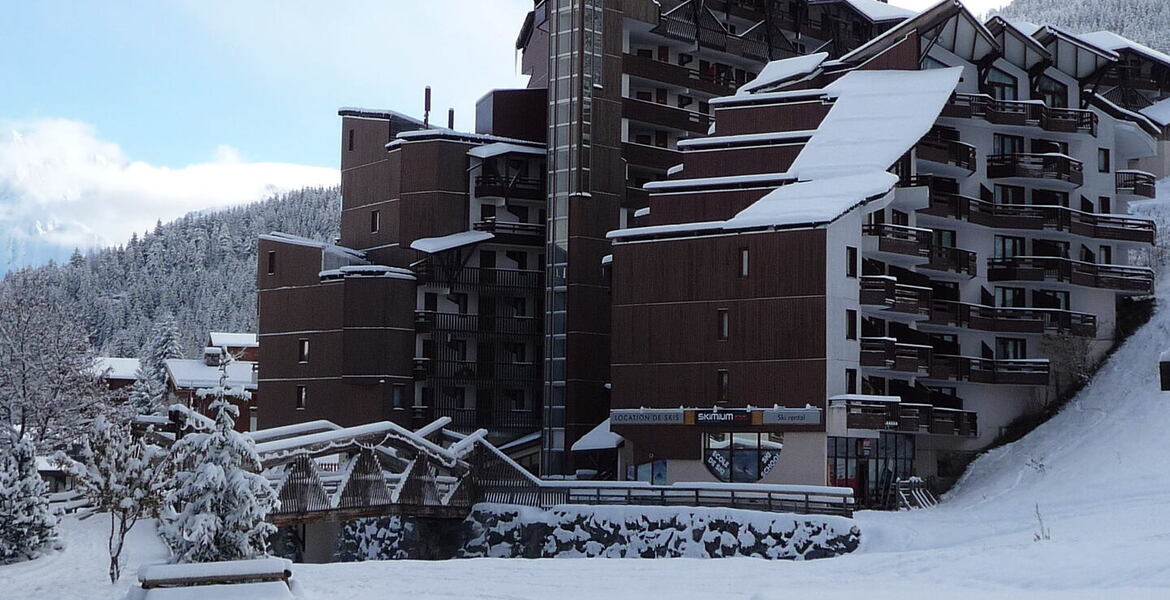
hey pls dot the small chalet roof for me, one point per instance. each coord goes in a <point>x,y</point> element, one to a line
<point>1111,41</point>
<point>948,24</point>
<point>196,374</point>
<point>117,368</point>
<point>598,438</point>
<point>498,148</point>
<point>1073,54</point>
<point>1018,45</point>
<point>1159,112</point>
<point>782,70</point>
<point>224,339</point>
<point>435,245</point>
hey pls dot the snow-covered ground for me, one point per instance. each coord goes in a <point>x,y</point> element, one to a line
<point>1097,471</point>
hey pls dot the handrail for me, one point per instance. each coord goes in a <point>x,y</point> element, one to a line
<point>1017,112</point>
<point>1041,216</point>
<point>1036,166</point>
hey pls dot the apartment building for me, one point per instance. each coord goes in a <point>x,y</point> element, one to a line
<point>877,262</point>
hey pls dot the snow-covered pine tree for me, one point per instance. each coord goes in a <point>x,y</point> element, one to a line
<point>1143,21</point>
<point>148,394</point>
<point>220,500</point>
<point>122,474</point>
<point>27,523</point>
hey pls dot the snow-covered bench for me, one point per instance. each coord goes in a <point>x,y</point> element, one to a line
<point>261,579</point>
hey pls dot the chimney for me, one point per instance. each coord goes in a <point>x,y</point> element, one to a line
<point>427,108</point>
<point>212,356</point>
<point>450,118</point>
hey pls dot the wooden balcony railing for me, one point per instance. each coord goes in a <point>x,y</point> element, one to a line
<point>1049,167</point>
<point>653,157</point>
<point>885,292</point>
<point>482,277</point>
<point>522,233</point>
<point>1034,114</point>
<point>1011,320</point>
<point>1137,183</point>
<point>478,324</point>
<point>987,370</point>
<point>911,418</point>
<point>524,188</point>
<point>947,152</point>
<point>664,115</point>
<point>472,371</point>
<point>1053,269</point>
<point>887,353</point>
<point>900,239</point>
<point>1037,218</point>
<point>957,260</point>
<point>656,70</point>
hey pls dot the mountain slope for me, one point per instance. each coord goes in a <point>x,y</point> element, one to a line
<point>1144,21</point>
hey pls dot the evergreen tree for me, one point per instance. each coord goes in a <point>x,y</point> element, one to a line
<point>149,392</point>
<point>1143,21</point>
<point>27,523</point>
<point>220,499</point>
<point>122,474</point>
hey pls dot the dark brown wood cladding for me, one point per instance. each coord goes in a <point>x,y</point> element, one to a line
<point>431,214</point>
<point>901,56</point>
<point>298,308</point>
<point>740,161</point>
<point>793,384</point>
<point>370,137</point>
<point>355,225</point>
<point>770,118</point>
<point>296,264</point>
<point>519,114</point>
<point>669,209</point>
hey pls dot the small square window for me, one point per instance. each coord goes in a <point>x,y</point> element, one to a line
<point>743,262</point>
<point>1104,164</point>
<point>272,262</point>
<point>375,221</point>
<point>397,394</point>
<point>850,324</point>
<point>303,350</point>
<point>302,397</point>
<point>724,324</point>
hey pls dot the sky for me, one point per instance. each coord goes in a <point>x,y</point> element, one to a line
<point>115,115</point>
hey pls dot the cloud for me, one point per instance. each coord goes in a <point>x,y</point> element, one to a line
<point>61,187</point>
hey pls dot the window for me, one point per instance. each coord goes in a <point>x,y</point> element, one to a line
<point>456,397</point>
<point>1008,246</point>
<point>867,464</point>
<point>272,262</point>
<point>850,381</point>
<point>944,238</point>
<point>898,217</point>
<point>1050,299</point>
<point>303,350</point>
<point>397,394</point>
<point>1104,205</point>
<point>1104,164</point>
<point>430,302</point>
<point>1049,146</point>
<point>1054,93</point>
<point>850,324</point>
<point>724,325</point>
<point>850,261</point>
<point>302,397</point>
<point>350,143</point>
<point>1010,297</point>
<point>1106,255</point>
<point>1011,348</point>
<point>743,262</point>
<point>1008,144</point>
<point>744,457</point>
<point>723,381</point>
<point>1003,86</point>
<point>375,221</point>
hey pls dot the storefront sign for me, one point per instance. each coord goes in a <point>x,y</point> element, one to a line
<point>647,416</point>
<point>791,416</point>
<point>719,464</point>
<point>722,417</point>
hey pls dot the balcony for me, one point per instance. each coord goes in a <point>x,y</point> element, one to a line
<point>519,188</point>
<point>1022,114</point>
<point>426,321</point>
<point>663,115</point>
<point>950,153</point>
<point>900,240</point>
<point>510,232</point>
<point>987,370</point>
<point>508,280</point>
<point>471,371</point>
<point>678,75</point>
<point>908,418</point>
<point>1047,167</point>
<point>952,260</point>
<point>947,313</point>
<point>654,157</point>
<point>1051,269</point>
<point>888,354</point>
<point>885,293</point>
<point>1137,183</point>
<point>1040,218</point>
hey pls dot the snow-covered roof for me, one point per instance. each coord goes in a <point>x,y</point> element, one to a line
<point>1159,112</point>
<point>642,212</point>
<point>376,113</point>
<point>783,70</point>
<point>368,271</point>
<point>1027,27</point>
<point>284,431</point>
<point>1111,41</point>
<point>288,238</point>
<point>225,339</point>
<point>498,148</point>
<point>433,245</point>
<point>874,10</point>
<point>865,398</point>
<point>745,139</point>
<point>195,374</point>
<point>116,368</point>
<point>813,202</point>
<point>598,438</point>
<point>877,117</point>
<point>521,441</point>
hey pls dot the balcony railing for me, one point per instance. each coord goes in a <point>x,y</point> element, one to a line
<point>1037,218</point>
<point>1049,167</point>
<point>482,277</point>
<point>472,371</point>
<point>482,324</point>
<point>947,152</point>
<point>1137,183</point>
<point>655,157</point>
<point>1034,114</point>
<point>944,258</point>
<point>656,70</point>
<point>1011,320</point>
<point>900,239</point>
<point>1051,269</point>
<point>527,233</point>
<point>885,292</point>
<point>889,354</point>
<point>664,115</point>
<point>911,418</point>
<point>988,370</point>
<point>496,186</point>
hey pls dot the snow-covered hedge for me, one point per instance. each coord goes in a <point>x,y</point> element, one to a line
<point>507,531</point>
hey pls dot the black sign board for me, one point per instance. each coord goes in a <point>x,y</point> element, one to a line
<point>723,417</point>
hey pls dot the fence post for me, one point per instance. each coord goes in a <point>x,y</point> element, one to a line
<point>806,503</point>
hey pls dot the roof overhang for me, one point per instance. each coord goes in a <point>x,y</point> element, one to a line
<point>948,24</point>
<point>1073,55</point>
<point>1018,48</point>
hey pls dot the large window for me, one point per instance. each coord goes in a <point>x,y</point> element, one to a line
<point>1054,93</point>
<point>870,466</point>
<point>1003,86</point>
<point>741,457</point>
<point>1011,348</point>
<point>1007,246</point>
<point>1008,144</point>
<point>1010,297</point>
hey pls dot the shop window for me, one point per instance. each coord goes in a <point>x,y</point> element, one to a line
<point>870,466</point>
<point>741,457</point>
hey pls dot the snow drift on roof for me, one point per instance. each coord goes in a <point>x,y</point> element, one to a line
<point>498,148</point>
<point>781,70</point>
<point>813,202</point>
<point>234,340</point>
<point>877,11</point>
<point>1159,112</point>
<point>196,374</point>
<point>598,438</point>
<point>116,368</point>
<point>877,117</point>
<point>1111,41</point>
<point>288,238</point>
<point>376,113</point>
<point>438,244</point>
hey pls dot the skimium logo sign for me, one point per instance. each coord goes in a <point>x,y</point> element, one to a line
<point>722,417</point>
